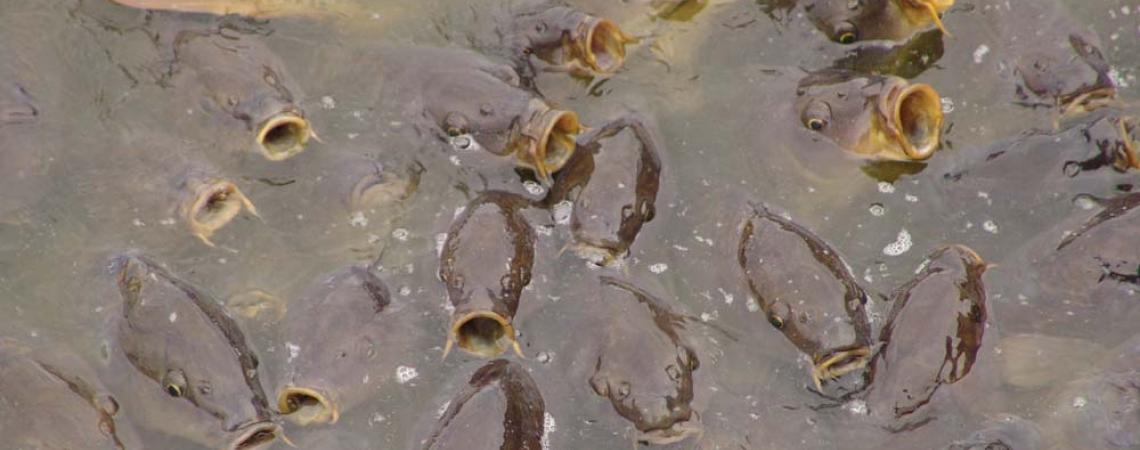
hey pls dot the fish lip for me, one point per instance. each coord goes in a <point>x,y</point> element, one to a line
<point>283,135</point>
<point>551,133</point>
<point>256,436</point>
<point>599,253</point>
<point>908,106</point>
<point>601,44</point>
<point>211,204</point>
<point>287,405</point>
<point>463,337</point>
<point>838,362</point>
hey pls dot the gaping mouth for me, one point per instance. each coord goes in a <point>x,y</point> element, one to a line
<point>283,136</point>
<point>210,205</point>
<point>306,406</point>
<point>553,133</point>
<point>839,363</point>
<point>1087,101</point>
<point>914,119</point>
<point>257,436</point>
<point>601,44</point>
<point>929,10</point>
<point>482,333</point>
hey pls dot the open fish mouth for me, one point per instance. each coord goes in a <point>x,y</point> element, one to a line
<point>600,44</point>
<point>913,115</point>
<point>282,136</point>
<point>210,205</point>
<point>550,135</point>
<point>482,333</point>
<point>930,9</point>
<point>838,363</point>
<point>305,406</point>
<point>257,436</point>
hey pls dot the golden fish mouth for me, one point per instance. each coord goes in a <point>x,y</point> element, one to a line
<point>210,205</point>
<point>551,137</point>
<point>305,406</point>
<point>482,333</point>
<point>913,115</point>
<point>257,436</point>
<point>282,136</point>
<point>839,363</point>
<point>600,44</point>
<point>919,11</point>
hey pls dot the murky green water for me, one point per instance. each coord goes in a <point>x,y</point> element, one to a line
<point>110,136</point>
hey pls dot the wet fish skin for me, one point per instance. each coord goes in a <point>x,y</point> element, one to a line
<point>485,263</point>
<point>620,195</point>
<point>467,423</point>
<point>347,335</point>
<point>51,399</point>
<point>931,338</point>
<point>23,169</point>
<point>806,291</point>
<point>644,365</point>
<point>568,37</point>
<point>181,364</point>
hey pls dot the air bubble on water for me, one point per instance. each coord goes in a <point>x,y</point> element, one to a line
<point>405,374</point>
<point>358,220</point>
<point>728,298</point>
<point>1085,202</point>
<point>442,409</point>
<point>658,268</point>
<point>1079,402</point>
<point>293,349</point>
<point>455,160</point>
<point>901,244</point>
<point>544,230</point>
<point>886,187</point>
<point>401,234</point>
<point>857,407</point>
<point>990,226</point>
<point>533,188</point>
<point>405,291</point>
<point>327,102</point>
<point>167,221</point>
<point>377,418</point>
<point>947,105</point>
<point>544,357</point>
<point>911,198</point>
<point>877,209</point>
<point>173,316</point>
<point>752,305</point>
<point>980,53</point>
<point>548,426</point>
<point>561,211</point>
<point>708,317</point>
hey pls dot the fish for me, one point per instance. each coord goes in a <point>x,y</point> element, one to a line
<point>243,80</point>
<point>807,292</point>
<point>619,196</point>
<point>501,407</point>
<point>181,364</point>
<point>486,261</point>
<point>568,38</point>
<point>259,9</point>
<point>52,399</point>
<point>645,364</point>
<point>931,338</point>
<point>851,21</point>
<point>344,336</point>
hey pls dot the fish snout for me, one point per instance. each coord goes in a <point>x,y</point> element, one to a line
<point>913,114</point>
<point>283,135</point>
<point>551,135</point>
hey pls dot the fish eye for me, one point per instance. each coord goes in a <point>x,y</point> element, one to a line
<point>456,124</point>
<point>816,124</point>
<point>673,372</point>
<point>846,33</point>
<point>816,115</point>
<point>174,383</point>
<point>623,390</point>
<point>776,321</point>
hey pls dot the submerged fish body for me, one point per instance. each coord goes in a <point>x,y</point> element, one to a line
<point>261,9</point>
<point>344,335</point>
<point>931,339</point>
<point>807,292</point>
<point>22,167</point>
<point>243,80</point>
<point>619,196</point>
<point>51,399</point>
<point>501,407</point>
<point>567,37</point>
<point>644,365</point>
<point>181,364</point>
<point>1101,408</point>
<point>847,21</point>
<point>485,263</point>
